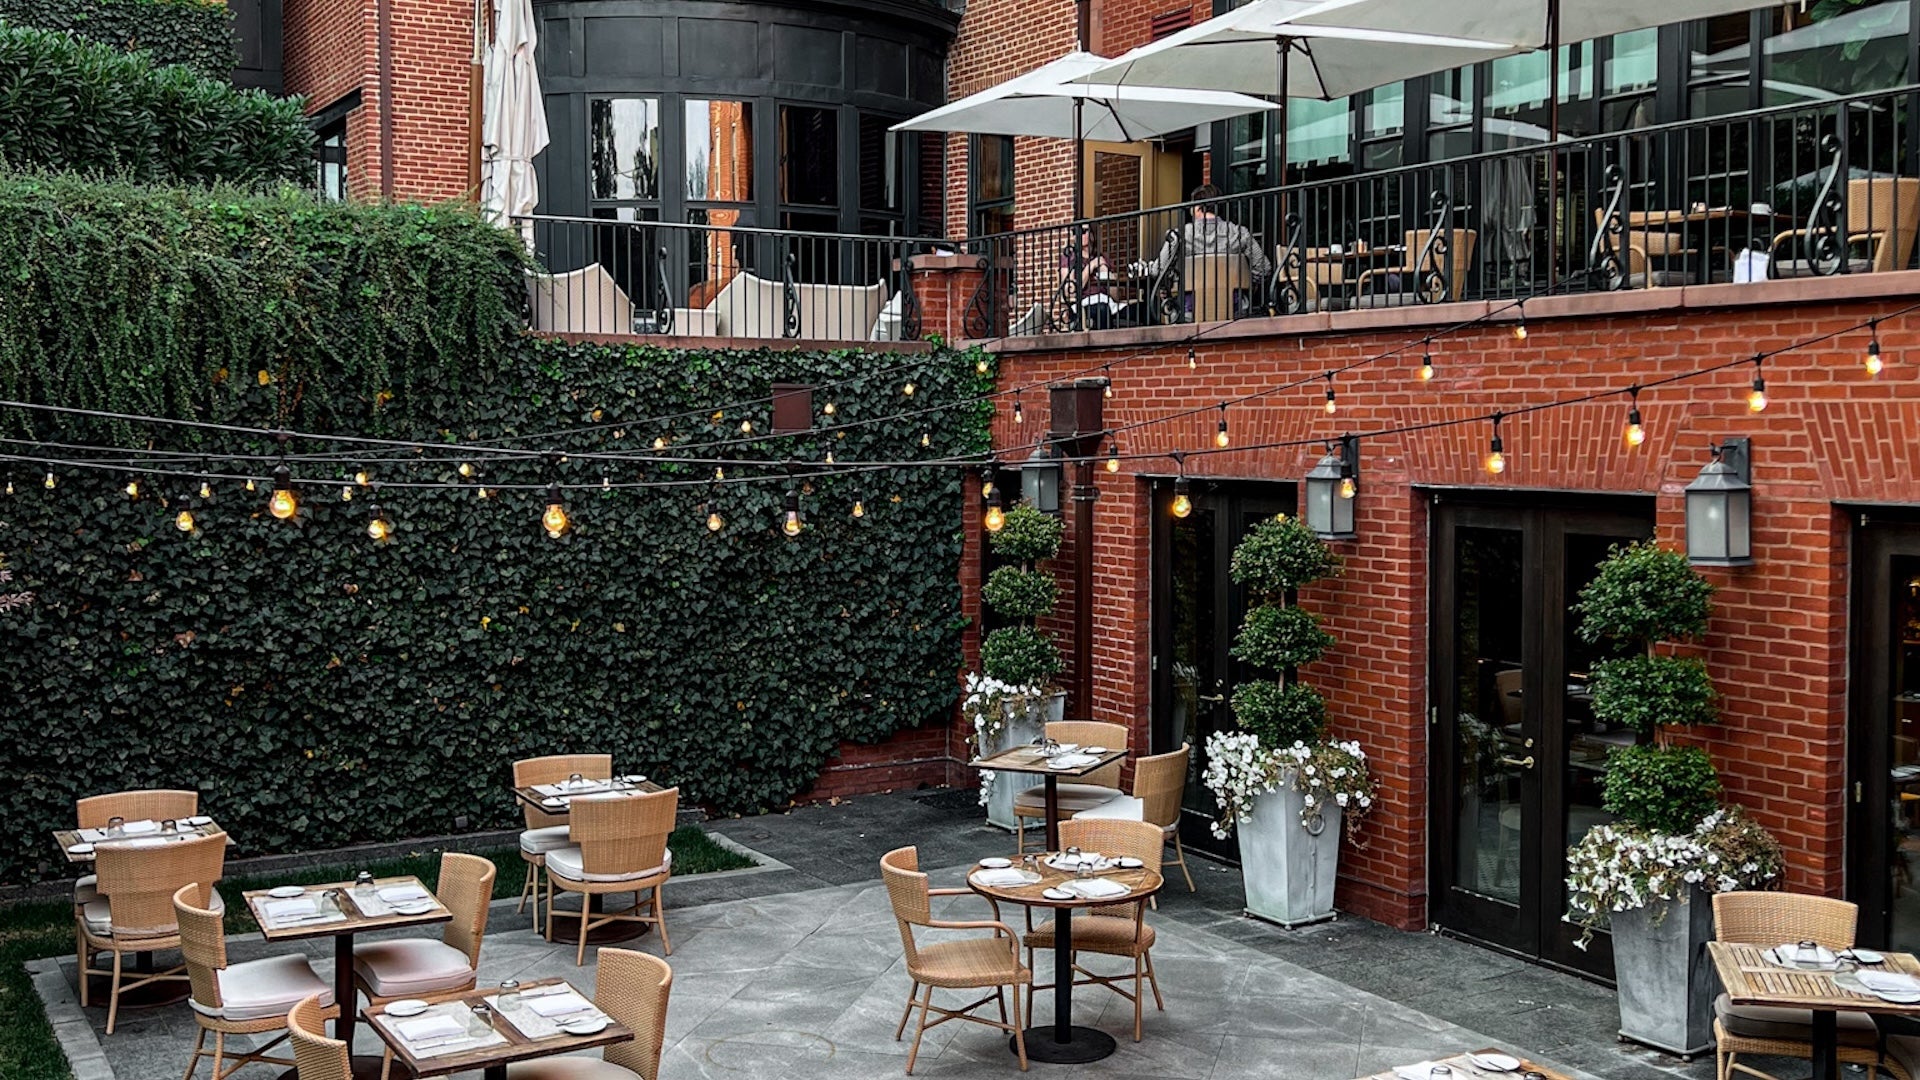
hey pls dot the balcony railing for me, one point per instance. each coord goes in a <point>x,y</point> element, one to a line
<point>1795,191</point>
<point>605,276</point>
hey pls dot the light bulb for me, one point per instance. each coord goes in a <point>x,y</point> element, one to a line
<point>206,490</point>
<point>9,487</point>
<point>980,365</point>
<point>719,472</point>
<point>1348,489</point>
<point>1635,432</point>
<point>1874,363</point>
<point>746,427</point>
<point>715,522</point>
<point>133,489</point>
<point>659,442</point>
<point>250,484</point>
<point>466,469</point>
<point>926,438</point>
<point>379,529</point>
<point>284,503</point>
<point>50,482</point>
<point>1182,506</point>
<point>555,519</point>
<point>1757,397</point>
<point>1519,331</point>
<point>1108,392</point>
<point>486,493</point>
<point>183,521</point>
<point>1220,436</point>
<point>1496,459</point>
<point>346,493</point>
<point>828,408</point>
<point>995,518</point>
<point>1113,460</point>
<point>908,389</point>
<point>829,457</point>
<point>1331,407</point>
<point>791,526</point>
<point>1192,363</point>
<point>362,478</point>
<point>859,508</point>
<point>1426,369</point>
<point>1019,416</point>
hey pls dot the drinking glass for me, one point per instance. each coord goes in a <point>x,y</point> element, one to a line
<point>169,825</point>
<point>363,894</point>
<point>1440,1072</point>
<point>116,826</point>
<point>509,996</point>
<point>479,1019</point>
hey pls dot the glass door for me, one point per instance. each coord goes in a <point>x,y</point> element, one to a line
<point>1516,755</point>
<point>1197,609</point>
<point>1883,789</point>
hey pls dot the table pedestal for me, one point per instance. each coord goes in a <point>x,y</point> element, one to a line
<point>1061,1043</point>
<point>1826,1045</point>
<point>566,926</point>
<point>365,1066</point>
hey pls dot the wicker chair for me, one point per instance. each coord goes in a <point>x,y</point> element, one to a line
<point>620,846</point>
<point>94,812</point>
<point>134,913</point>
<point>413,967</point>
<point>1767,918</point>
<point>545,832</point>
<point>1159,786</point>
<point>250,998</point>
<point>1100,931</point>
<point>974,963</point>
<point>319,1057</point>
<point>1092,790</point>
<point>633,988</point>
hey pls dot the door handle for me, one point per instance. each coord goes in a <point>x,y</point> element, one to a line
<point>1524,763</point>
<point>1213,697</point>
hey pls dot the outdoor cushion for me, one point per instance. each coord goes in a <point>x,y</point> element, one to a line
<point>541,841</point>
<point>1074,798</point>
<point>86,890</point>
<point>260,989</point>
<point>1111,934</point>
<point>99,915</point>
<point>1798,268</point>
<point>1765,1022</point>
<point>1120,807</point>
<point>409,967</point>
<point>569,1068</point>
<point>566,862</point>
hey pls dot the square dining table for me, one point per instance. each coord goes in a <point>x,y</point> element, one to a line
<point>84,839</point>
<point>1751,979</point>
<point>1028,759</point>
<point>508,1042</point>
<point>338,915</point>
<point>556,800</point>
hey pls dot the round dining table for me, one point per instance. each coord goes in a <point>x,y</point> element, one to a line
<point>1061,1042</point>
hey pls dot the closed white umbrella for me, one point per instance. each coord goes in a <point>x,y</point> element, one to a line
<point>514,120</point>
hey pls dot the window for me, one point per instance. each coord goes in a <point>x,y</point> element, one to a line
<point>1823,49</point>
<point>1247,152</point>
<point>719,165</point>
<point>1383,125</point>
<point>1627,79</point>
<point>330,161</point>
<point>1518,110</point>
<point>879,165</point>
<point>1318,133</point>
<point>623,149</point>
<point>809,156</point>
<point>992,195</point>
<point>1720,59</point>
<point>1450,116</point>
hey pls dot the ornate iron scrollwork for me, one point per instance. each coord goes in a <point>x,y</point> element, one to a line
<point>790,298</point>
<point>1433,268</point>
<point>1825,239</point>
<point>662,294</point>
<point>1607,261</point>
<point>1165,297</point>
<point>1289,293</point>
<point>980,309</point>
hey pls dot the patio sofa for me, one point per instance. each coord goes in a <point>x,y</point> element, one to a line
<point>755,307</point>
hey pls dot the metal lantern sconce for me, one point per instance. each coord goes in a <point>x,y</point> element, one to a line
<point>1720,508</point>
<point>1040,481</point>
<point>1330,487</point>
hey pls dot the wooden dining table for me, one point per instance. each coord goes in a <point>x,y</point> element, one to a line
<point>69,839</point>
<point>1062,1042</point>
<point>1029,759</point>
<point>337,898</point>
<point>1462,1065</point>
<point>514,1044</point>
<point>1750,979</point>
<point>543,797</point>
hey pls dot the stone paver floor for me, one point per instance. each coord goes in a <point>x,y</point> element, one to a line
<point>796,972</point>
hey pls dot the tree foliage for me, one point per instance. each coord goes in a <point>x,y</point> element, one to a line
<point>1279,555</point>
<point>1277,638</point>
<point>1668,789</point>
<point>1644,693</point>
<point>1644,593</point>
<point>197,34</point>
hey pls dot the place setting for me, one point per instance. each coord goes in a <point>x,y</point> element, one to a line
<point>289,906</point>
<point>545,1012</point>
<point>428,1030</point>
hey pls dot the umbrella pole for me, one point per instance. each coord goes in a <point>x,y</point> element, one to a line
<point>476,94</point>
<point>1079,162</point>
<point>1285,46</point>
<point>1553,143</point>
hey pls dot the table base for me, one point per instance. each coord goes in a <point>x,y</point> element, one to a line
<point>1087,1044</point>
<point>365,1067</point>
<point>567,932</point>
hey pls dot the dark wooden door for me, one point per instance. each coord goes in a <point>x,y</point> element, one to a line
<point>1883,768</point>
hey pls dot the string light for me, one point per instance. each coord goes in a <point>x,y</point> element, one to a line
<point>1331,406</point>
<point>792,523</point>
<point>1019,415</point>
<point>1193,361</point>
<point>362,478</point>
<point>1107,390</point>
<point>828,408</point>
<point>251,486</point>
<point>719,472</point>
<point>133,488</point>
<point>1874,363</point>
<point>746,427</point>
<point>379,528</point>
<point>659,442</point>
<point>909,388</point>
<point>555,520</point>
<point>1113,456</point>
<point>995,517</point>
<point>980,365</point>
<point>715,522</point>
<point>712,506</point>
<point>859,508</point>
<point>466,470</point>
<point>284,503</point>
<point>206,490</point>
<point>346,493</point>
<point>1182,490</point>
<point>1426,361</point>
<point>829,455</point>
<point>1635,433</point>
<point>1349,487</point>
<point>1757,396</point>
<point>1496,455</point>
<point>1220,436</point>
<point>9,485</point>
<point>50,481</point>
<point>1520,328</point>
<point>182,520</point>
<point>926,438</point>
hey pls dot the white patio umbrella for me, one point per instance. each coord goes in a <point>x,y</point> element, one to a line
<point>514,117</point>
<point>1045,102</point>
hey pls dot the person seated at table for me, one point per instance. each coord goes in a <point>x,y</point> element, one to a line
<point>1098,308</point>
<point>1210,234</point>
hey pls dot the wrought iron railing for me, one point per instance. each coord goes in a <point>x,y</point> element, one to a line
<point>1830,187</point>
<point>606,276</point>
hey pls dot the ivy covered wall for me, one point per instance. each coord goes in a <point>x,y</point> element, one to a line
<point>322,689</point>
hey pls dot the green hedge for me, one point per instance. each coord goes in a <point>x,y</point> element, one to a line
<point>321,689</point>
<point>71,105</point>
<point>196,33</point>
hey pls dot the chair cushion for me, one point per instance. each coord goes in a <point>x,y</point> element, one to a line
<point>1904,1050</point>
<point>1120,807</point>
<point>569,1068</point>
<point>99,915</point>
<point>1798,268</point>
<point>541,841</point>
<point>1788,1025</point>
<point>1073,799</point>
<point>1109,934</point>
<point>566,862</point>
<point>260,989</point>
<point>86,890</point>
<point>968,962</point>
<point>410,967</point>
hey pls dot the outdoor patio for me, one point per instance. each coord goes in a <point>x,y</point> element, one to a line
<point>794,969</point>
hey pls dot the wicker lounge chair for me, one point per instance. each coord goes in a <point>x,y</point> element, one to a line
<point>134,913</point>
<point>1092,790</point>
<point>633,988</point>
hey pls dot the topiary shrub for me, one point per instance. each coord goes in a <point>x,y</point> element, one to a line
<point>1644,593</point>
<point>1278,556</point>
<point>70,105</point>
<point>1020,594</point>
<point>195,33</point>
<point>1276,638</point>
<point>1281,716</point>
<point>1027,536</point>
<point>1022,655</point>
<point>1644,693</point>
<point>1668,789</point>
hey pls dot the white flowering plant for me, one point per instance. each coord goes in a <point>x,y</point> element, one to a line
<point>986,706</point>
<point>1328,773</point>
<point>1621,867</point>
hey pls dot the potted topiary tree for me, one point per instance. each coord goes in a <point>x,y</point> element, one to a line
<point>1012,697</point>
<point>1279,779</point>
<point>1649,873</point>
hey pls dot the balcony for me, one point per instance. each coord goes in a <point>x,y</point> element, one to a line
<point>1822,191</point>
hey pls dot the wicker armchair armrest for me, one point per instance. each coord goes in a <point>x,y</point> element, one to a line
<point>951,892</point>
<point>995,925</point>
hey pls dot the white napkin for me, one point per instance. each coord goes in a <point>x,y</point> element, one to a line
<point>404,894</point>
<point>93,836</point>
<point>148,841</point>
<point>282,910</point>
<point>1888,982</point>
<point>429,1027</point>
<point>1097,888</point>
<point>558,1004</point>
<point>1003,876</point>
<point>135,828</point>
<point>1419,1070</point>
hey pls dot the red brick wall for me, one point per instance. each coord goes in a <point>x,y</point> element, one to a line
<point>332,49</point>
<point>1777,645</point>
